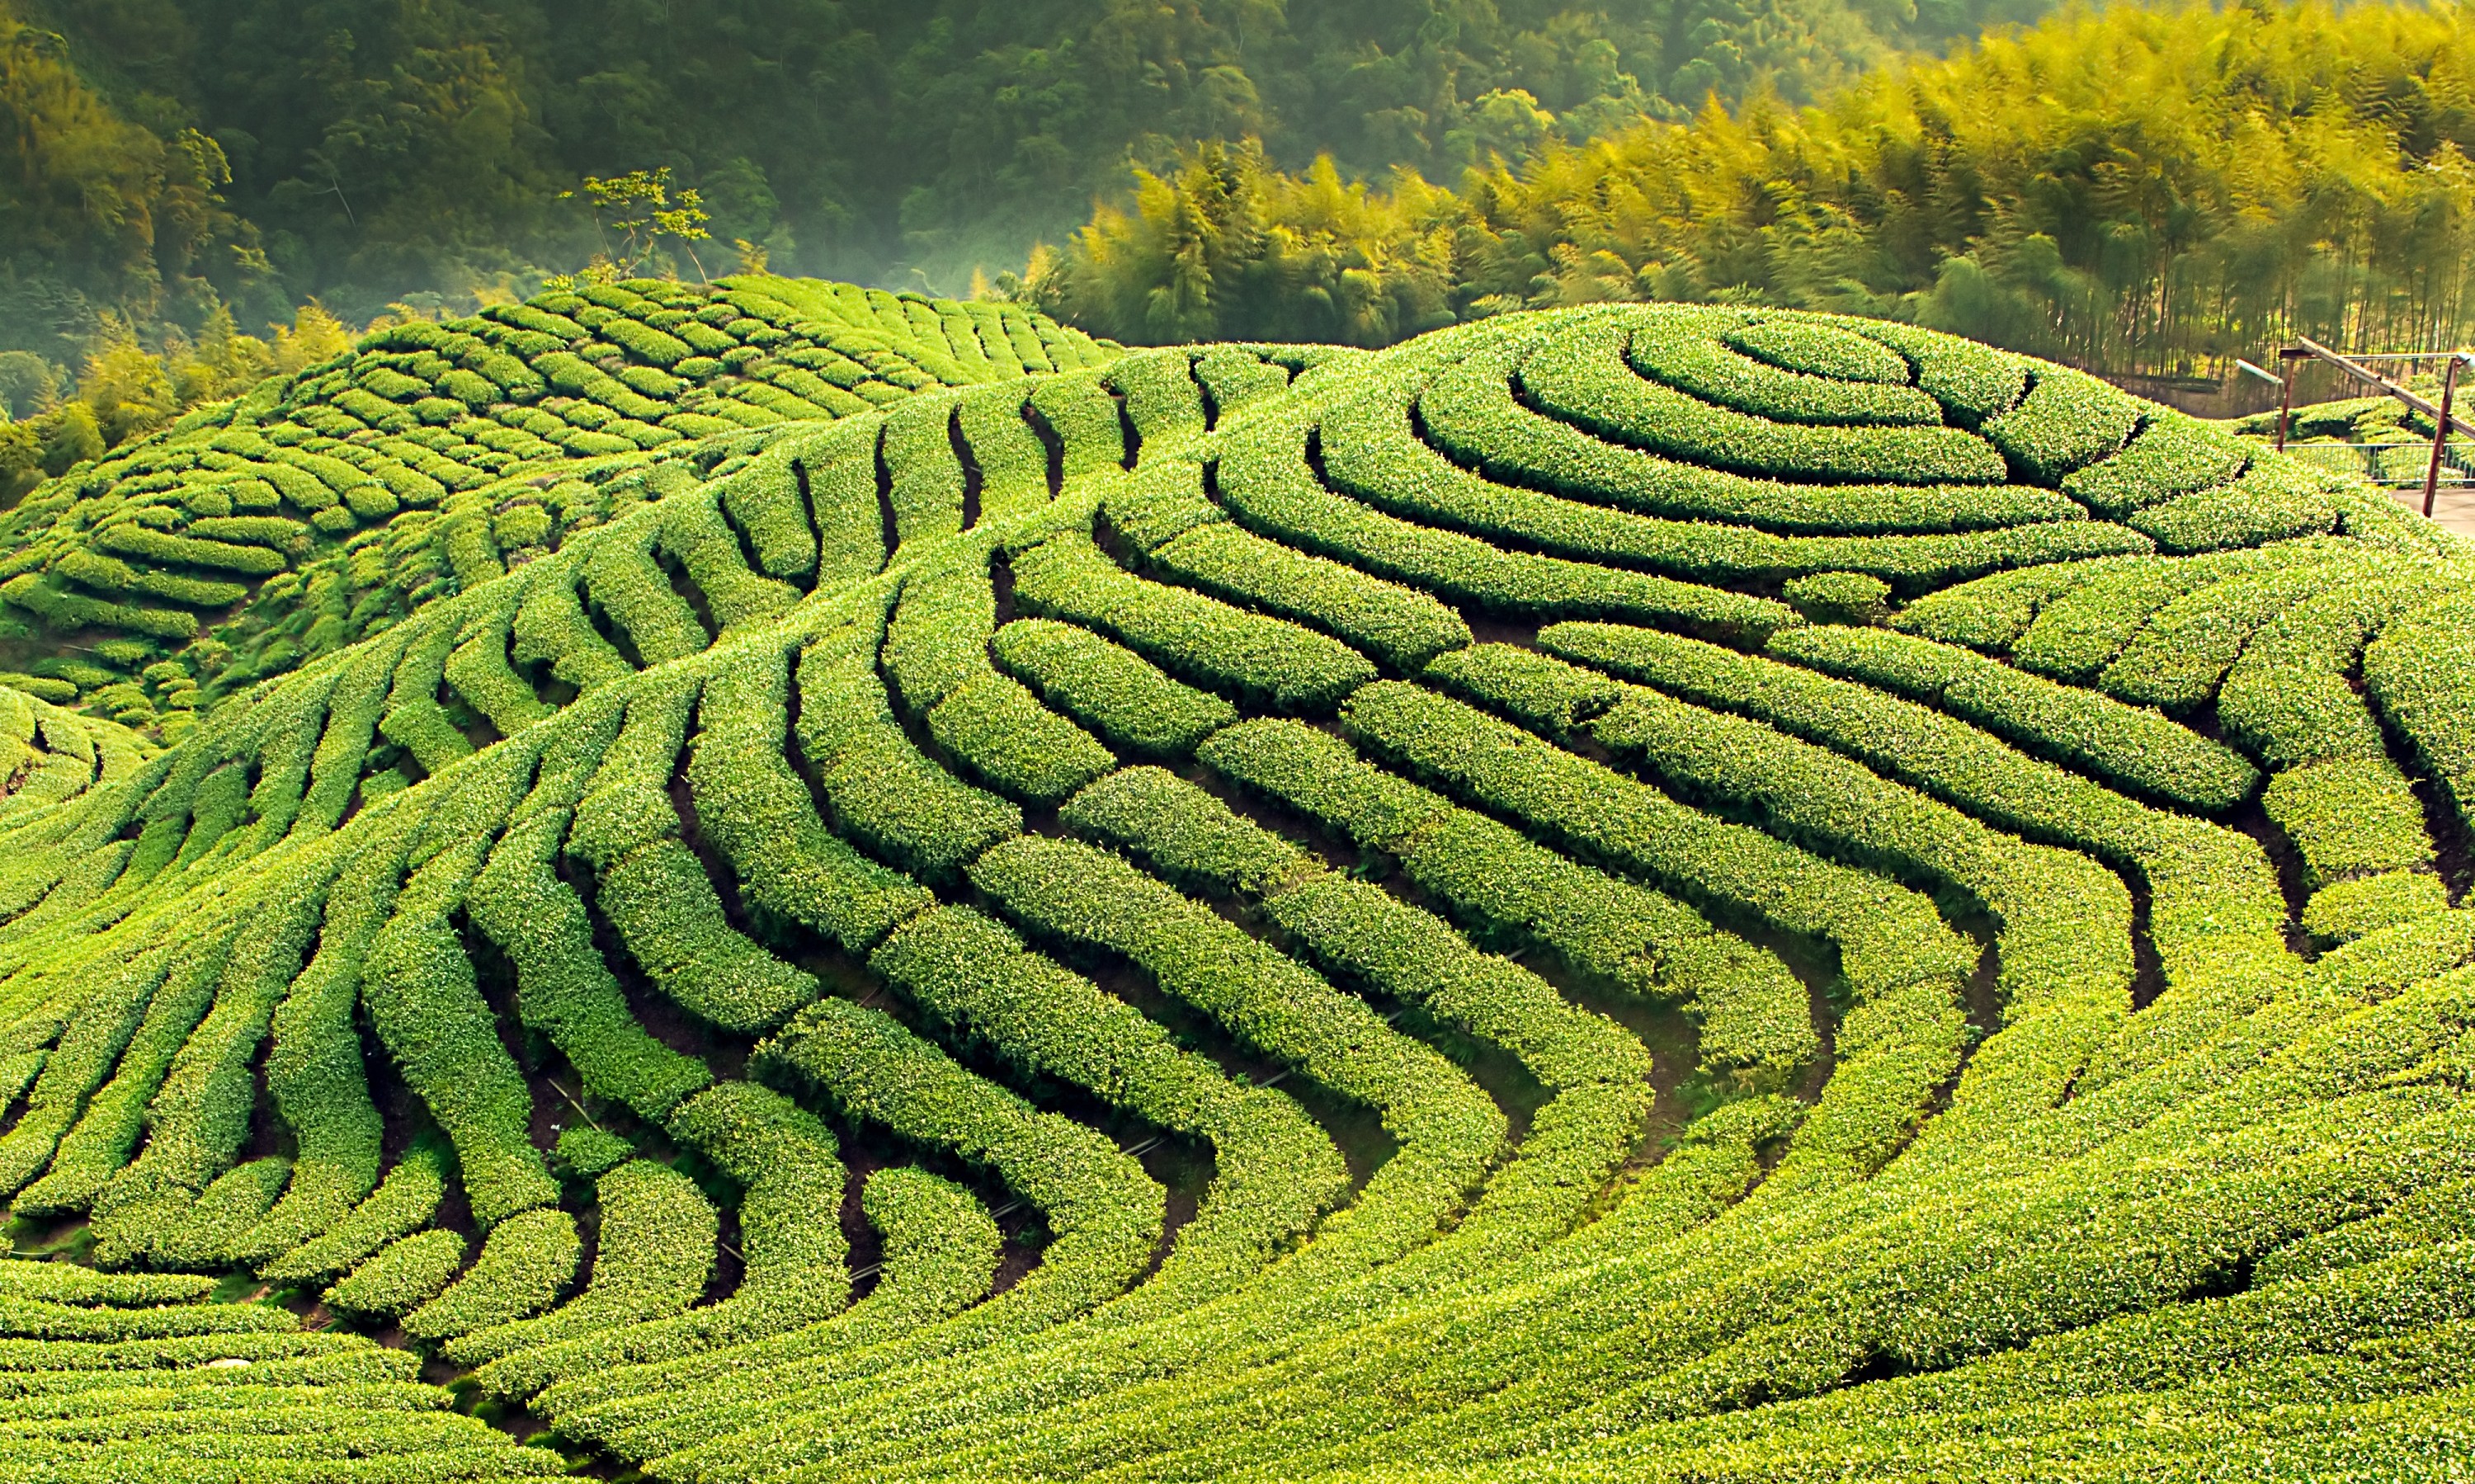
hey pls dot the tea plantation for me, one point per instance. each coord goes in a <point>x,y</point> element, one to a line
<point>328,506</point>
<point>1648,893</point>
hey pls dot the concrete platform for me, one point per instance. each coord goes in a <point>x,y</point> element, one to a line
<point>2453,508</point>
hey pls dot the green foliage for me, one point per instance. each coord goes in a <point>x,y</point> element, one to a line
<point>937,652</point>
<point>2348,910</point>
<point>652,1258</point>
<point>2171,455</point>
<point>2215,911</point>
<point>426,1006</point>
<point>1274,1171</point>
<point>1763,202</point>
<point>2269,504</point>
<point>1108,687</point>
<point>403,1202</point>
<point>940,1253</point>
<point>54,1283</point>
<point>77,1067</point>
<point>1354,929</point>
<point>525,1263</point>
<point>2067,422</point>
<point>793,1274</point>
<point>119,205</point>
<point>591,1152</point>
<point>2061,919</point>
<point>2349,819</point>
<point>889,797</point>
<point>2415,671</point>
<point>34,1319</point>
<point>1376,453</point>
<point>998,730</point>
<point>1447,1129</point>
<point>638,207</point>
<point>403,1277</point>
<point>1189,634</point>
<point>655,891</point>
<point>1397,625</point>
<point>105,1137</point>
<point>1712,369</point>
<point>162,1389</point>
<point>2126,745</point>
<point>1185,835</point>
<point>1849,597</point>
<point>1575,377</point>
<point>1755,1021</point>
<point>430,160</point>
<point>1104,1214</point>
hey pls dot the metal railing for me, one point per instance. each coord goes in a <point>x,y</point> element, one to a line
<point>2395,465</point>
<point>2358,367</point>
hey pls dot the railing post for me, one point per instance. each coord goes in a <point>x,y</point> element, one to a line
<point>2440,433</point>
<point>2285,398</point>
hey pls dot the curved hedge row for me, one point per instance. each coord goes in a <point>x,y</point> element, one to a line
<point>132,1378</point>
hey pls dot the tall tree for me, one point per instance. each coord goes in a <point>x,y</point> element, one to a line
<point>2132,189</point>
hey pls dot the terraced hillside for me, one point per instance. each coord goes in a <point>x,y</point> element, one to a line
<point>1628,892</point>
<point>328,506</point>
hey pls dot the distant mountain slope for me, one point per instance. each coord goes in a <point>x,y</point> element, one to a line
<point>326,506</point>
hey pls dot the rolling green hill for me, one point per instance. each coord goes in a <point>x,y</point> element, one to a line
<point>1661,893</point>
<point>325,506</point>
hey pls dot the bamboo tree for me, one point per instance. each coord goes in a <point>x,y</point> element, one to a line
<point>2128,189</point>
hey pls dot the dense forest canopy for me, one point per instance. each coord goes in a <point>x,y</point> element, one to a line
<point>2131,190</point>
<point>2128,189</point>
<point>389,146</point>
